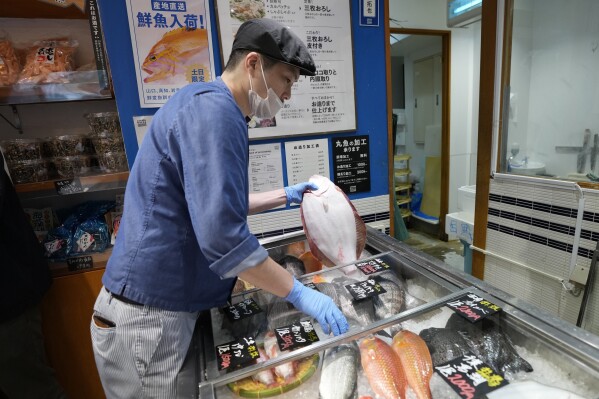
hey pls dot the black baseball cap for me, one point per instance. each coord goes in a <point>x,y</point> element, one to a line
<point>276,41</point>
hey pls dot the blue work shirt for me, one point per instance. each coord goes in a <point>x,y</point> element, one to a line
<point>184,236</point>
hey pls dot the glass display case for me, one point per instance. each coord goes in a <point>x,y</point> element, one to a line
<point>524,348</point>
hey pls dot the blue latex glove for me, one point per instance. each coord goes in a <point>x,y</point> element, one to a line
<point>295,193</point>
<point>319,306</point>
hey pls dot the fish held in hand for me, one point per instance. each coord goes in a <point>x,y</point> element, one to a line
<point>416,361</point>
<point>382,368</point>
<point>336,233</point>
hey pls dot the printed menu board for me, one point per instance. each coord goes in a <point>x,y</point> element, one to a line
<point>172,47</point>
<point>321,103</point>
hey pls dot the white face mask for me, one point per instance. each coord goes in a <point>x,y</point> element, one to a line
<point>264,108</point>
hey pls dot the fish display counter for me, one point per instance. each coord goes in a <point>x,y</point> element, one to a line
<point>418,329</point>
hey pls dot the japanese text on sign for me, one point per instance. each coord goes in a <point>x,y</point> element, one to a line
<point>470,377</point>
<point>472,307</point>
<point>373,266</point>
<point>236,353</point>
<point>246,308</point>
<point>365,289</point>
<point>297,335</point>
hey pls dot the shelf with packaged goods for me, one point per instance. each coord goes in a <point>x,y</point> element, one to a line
<point>47,93</point>
<point>403,199</point>
<point>108,181</point>
<point>98,262</point>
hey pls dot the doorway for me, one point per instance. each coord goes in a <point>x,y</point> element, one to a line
<point>419,94</point>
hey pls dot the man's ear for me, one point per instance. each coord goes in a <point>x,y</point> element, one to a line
<point>251,61</point>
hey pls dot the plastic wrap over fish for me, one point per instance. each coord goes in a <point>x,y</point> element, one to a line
<point>336,233</point>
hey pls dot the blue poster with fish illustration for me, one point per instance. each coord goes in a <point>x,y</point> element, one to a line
<point>172,47</point>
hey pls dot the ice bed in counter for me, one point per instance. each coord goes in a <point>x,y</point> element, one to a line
<point>520,344</point>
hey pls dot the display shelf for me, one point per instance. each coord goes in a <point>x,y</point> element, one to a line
<point>99,261</point>
<point>404,199</point>
<point>405,213</point>
<point>402,187</point>
<point>88,183</point>
<point>45,93</point>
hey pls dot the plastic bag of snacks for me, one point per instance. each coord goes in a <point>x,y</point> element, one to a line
<point>48,61</point>
<point>90,236</point>
<point>9,63</point>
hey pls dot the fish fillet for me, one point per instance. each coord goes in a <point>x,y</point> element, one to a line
<point>336,233</point>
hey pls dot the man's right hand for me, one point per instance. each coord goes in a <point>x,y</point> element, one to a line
<point>319,306</point>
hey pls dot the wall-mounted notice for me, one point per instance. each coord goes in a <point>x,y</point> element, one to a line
<point>141,124</point>
<point>306,158</point>
<point>351,163</point>
<point>321,103</point>
<point>266,167</point>
<point>172,46</point>
<point>369,13</point>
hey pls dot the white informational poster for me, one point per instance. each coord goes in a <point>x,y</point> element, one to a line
<point>266,168</point>
<point>172,46</point>
<point>306,158</point>
<point>323,103</point>
<point>141,124</point>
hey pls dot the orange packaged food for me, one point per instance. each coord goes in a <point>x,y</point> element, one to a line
<point>9,63</point>
<point>49,61</point>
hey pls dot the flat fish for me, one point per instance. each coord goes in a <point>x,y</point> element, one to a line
<point>531,390</point>
<point>339,376</point>
<point>443,344</point>
<point>416,361</point>
<point>382,368</point>
<point>293,265</point>
<point>360,312</point>
<point>267,377</point>
<point>388,303</point>
<point>285,370</point>
<point>336,233</point>
<point>487,340</point>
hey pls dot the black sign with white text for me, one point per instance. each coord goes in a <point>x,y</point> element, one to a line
<point>243,309</point>
<point>351,163</point>
<point>365,289</point>
<point>236,353</point>
<point>295,336</point>
<point>473,307</point>
<point>374,265</point>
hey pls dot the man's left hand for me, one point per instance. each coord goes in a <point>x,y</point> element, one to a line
<point>295,193</point>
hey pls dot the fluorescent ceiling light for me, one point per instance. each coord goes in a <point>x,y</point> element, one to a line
<point>467,6</point>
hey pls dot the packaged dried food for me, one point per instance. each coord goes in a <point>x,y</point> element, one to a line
<point>69,145</point>
<point>47,61</point>
<point>46,144</point>
<point>68,167</point>
<point>111,162</point>
<point>89,164</point>
<point>28,171</point>
<point>108,142</point>
<point>104,122</point>
<point>9,63</point>
<point>21,149</point>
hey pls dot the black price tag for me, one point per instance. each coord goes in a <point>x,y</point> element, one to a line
<point>236,353</point>
<point>473,307</point>
<point>80,263</point>
<point>365,289</point>
<point>312,285</point>
<point>470,377</point>
<point>243,309</point>
<point>68,186</point>
<point>374,265</point>
<point>295,336</point>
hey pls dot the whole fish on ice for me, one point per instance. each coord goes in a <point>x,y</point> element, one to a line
<point>391,302</point>
<point>336,233</point>
<point>382,368</point>
<point>339,375</point>
<point>416,362</point>
<point>444,344</point>
<point>178,51</point>
<point>293,265</point>
<point>360,312</point>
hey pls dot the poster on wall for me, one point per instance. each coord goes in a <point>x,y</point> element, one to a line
<point>324,103</point>
<point>265,168</point>
<point>351,163</point>
<point>172,47</point>
<point>306,158</point>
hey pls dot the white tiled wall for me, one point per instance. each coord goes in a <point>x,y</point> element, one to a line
<point>522,213</point>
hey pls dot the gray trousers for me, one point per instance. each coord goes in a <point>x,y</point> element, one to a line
<point>24,372</point>
<point>142,354</point>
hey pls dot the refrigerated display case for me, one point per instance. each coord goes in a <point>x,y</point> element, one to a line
<point>518,338</point>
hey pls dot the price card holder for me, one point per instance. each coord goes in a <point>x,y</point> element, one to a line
<point>68,186</point>
<point>295,336</point>
<point>375,265</point>
<point>80,263</point>
<point>470,377</point>
<point>241,310</point>
<point>236,353</point>
<point>473,307</point>
<point>365,289</point>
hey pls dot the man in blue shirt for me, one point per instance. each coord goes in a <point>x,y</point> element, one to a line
<point>184,236</point>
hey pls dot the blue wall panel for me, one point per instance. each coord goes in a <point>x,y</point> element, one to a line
<point>369,75</point>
